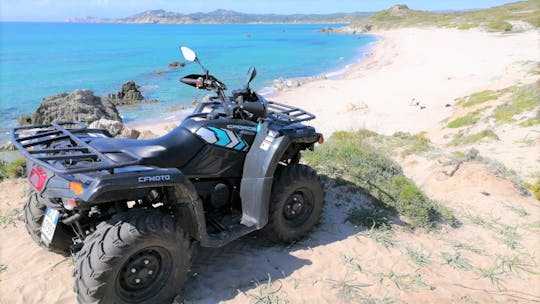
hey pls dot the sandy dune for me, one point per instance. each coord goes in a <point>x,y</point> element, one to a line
<point>493,256</point>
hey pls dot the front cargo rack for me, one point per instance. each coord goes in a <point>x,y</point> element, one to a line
<point>287,113</point>
<point>63,148</point>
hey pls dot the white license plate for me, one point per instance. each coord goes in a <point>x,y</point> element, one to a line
<point>49,225</point>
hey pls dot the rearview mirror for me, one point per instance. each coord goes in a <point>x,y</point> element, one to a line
<point>188,53</point>
<point>252,72</point>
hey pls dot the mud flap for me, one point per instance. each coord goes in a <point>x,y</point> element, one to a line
<point>259,168</point>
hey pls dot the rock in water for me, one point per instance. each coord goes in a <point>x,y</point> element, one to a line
<point>80,105</point>
<point>176,64</point>
<point>128,94</point>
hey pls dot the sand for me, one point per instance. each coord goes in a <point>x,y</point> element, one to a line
<point>493,256</point>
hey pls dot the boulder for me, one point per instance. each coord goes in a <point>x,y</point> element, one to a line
<point>114,127</point>
<point>129,133</point>
<point>80,105</point>
<point>128,94</point>
<point>176,64</point>
<point>147,135</point>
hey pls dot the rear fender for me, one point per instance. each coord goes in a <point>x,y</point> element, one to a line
<point>117,186</point>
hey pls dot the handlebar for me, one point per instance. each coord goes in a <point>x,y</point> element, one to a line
<point>189,81</point>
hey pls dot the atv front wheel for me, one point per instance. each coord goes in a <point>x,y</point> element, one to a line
<point>34,212</point>
<point>296,203</point>
<point>139,256</point>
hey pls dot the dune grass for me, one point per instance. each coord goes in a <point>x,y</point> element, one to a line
<point>466,120</point>
<point>459,139</point>
<point>479,98</point>
<point>524,98</point>
<point>350,156</point>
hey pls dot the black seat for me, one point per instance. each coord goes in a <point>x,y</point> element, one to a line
<point>174,149</point>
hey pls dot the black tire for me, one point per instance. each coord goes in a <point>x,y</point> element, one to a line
<point>34,212</point>
<point>139,256</point>
<point>296,203</point>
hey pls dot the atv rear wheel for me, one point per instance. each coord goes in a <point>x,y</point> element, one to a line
<point>296,203</point>
<point>139,256</point>
<point>34,212</point>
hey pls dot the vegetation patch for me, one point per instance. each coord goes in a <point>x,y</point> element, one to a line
<point>479,98</point>
<point>523,99</point>
<point>411,144</point>
<point>16,168</point>
<point>348,155</point>
<point>466,120</point>
<point>499,26</point>
<point>370,218</point>
<point>459,139</point>
<point>495,19</point>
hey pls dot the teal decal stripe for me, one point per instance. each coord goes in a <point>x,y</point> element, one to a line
<point>241,145</point>
<point>223,139</point>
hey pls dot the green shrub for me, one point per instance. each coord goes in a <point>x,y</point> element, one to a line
<point>16,168</point>
<point>352,158</point>
<point>499,26</point>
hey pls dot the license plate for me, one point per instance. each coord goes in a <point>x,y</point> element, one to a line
<point>49,225</point>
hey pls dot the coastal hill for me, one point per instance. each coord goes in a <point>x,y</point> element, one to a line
<point>221,16</point>
<point>512,17</point>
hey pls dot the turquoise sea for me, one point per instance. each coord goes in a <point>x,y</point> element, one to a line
<point>41,59</point>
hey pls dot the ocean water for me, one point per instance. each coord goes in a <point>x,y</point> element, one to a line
<point>41,59</point>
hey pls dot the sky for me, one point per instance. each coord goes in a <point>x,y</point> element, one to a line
<point>59,10</point>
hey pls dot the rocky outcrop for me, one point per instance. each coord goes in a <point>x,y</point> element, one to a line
<point>80,105</point>
<point>128,94</point>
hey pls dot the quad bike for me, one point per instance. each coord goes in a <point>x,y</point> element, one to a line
<point>131,211</point>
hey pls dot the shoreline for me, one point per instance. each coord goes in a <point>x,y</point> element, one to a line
<point>398,85</point>
<point>378,93</point>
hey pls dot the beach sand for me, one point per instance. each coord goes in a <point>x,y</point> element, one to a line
<point>336,264</point>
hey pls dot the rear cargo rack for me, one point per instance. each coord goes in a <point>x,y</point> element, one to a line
<point>287,113</point>
<point>63,148</point>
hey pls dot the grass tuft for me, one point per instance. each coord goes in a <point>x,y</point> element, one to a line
<point>524,98</point>
<point>418,257</point>
<point>456,261</point>
<point>466,120</point>
<point>371,218</point>
<point>459,139</point>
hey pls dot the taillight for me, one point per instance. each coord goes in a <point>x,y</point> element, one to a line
<point>37,178</point>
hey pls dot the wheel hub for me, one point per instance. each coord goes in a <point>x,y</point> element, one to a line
<point>294,207</point>
<point>141,270</point>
